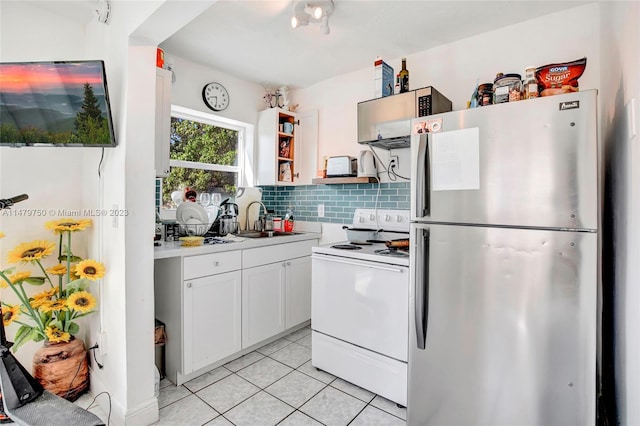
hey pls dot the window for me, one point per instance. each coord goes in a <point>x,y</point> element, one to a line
<point>206,154</point>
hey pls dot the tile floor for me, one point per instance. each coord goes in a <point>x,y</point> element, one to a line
<point>274,385</point>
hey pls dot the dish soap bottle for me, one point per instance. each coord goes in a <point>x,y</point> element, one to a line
<point>288,220</point>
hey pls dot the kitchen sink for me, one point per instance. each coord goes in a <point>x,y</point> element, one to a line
<point>265,234</point>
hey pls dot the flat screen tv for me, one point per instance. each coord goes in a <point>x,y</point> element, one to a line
<point>61,103</point>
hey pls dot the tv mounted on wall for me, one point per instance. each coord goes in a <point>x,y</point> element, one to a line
<point>58,103</point>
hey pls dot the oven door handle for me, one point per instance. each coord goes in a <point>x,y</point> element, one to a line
<point>372,265</point>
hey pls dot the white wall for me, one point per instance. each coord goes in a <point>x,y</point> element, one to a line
<point>245,98</point>
<point>455,69</point>
<point>68,178</point>
<point>619,86</point>
<point>52,177</point>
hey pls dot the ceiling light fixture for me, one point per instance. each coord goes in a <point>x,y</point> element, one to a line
<point>317,11</point>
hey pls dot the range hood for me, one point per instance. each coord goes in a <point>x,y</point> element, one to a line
<point>386,122</point>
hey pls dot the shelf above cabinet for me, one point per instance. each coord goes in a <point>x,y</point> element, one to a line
<point>339,180</point>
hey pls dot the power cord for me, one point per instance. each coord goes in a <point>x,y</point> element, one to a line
<point>93,349</point>
<point>391,172</point>
<point>94,400</point>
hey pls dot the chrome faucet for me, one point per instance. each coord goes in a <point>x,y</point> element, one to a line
<point>247,213</point>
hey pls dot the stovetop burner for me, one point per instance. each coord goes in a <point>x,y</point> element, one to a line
<point>347,247</point>
<point>393,252</point>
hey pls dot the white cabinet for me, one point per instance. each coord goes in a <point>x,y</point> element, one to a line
<point>199,299</point>
<point>298,291</point>
<point>276,289</point>
<point>212,319</point>
<point>163,121</point>
<point>286,147</point>
<point>217,305</point>
<point>263,299</point>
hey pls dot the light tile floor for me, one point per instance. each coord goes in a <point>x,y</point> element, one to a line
<point>274,385</point>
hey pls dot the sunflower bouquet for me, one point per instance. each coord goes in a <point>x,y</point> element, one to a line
<point>53,311</point>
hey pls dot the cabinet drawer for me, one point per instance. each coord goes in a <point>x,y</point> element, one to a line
<point>276,253</point>
<point>211,264</point>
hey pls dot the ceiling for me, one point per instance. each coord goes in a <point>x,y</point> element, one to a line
<point>253,39</point>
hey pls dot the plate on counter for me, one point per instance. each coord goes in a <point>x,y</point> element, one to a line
<point>190,211</point>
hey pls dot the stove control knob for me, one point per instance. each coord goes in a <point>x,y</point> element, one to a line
<point>387,218</point>
<point>399,218</point>
<point>372,217</point>
<point>360,219</point>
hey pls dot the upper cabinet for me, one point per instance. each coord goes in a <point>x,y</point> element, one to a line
<point>286,147</point>
<point>163,121</point>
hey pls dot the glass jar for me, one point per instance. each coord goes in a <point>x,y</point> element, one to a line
<point>530,83</point>
<point>507,88</point>
<point>485,94</point>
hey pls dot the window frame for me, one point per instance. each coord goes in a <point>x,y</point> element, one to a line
<point>244,151</point>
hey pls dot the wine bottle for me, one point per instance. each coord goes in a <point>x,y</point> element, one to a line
<point>404,77</point>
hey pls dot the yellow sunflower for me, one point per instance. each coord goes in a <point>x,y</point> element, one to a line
<point>10,313</point>
<point>28,252</point>
<point>90,269</point>
<point>58,269</point>
<point>2,234</point>
<point>68,224</point>
<point>45,295</point>
<point>19,276</point>
<point>55,335</point>
<point>82,301</point>
<point>55,305</point>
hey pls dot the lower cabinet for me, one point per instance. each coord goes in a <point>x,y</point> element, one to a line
<point>263,302</point>
<point>217,305</point>
<point>298,291</point>
<point>212,316</point>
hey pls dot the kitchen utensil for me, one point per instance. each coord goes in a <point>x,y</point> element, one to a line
<point>244,197</point>
<point>205,199</point>
<point>190,210</point>
<point>176,197</point>
<point>367,164</point>
<point>228,208</point>
<point>228,225</point>
<point>400,243</point>
<point>360,234</point>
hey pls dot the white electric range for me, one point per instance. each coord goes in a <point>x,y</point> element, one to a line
<point>360,312</point>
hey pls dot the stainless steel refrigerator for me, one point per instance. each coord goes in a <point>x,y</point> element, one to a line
<point>505,212</point>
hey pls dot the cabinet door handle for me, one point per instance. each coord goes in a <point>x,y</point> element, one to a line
<point>216,263</point>
<point>189,284</point>
<point>284,264</point>
<point>288,263</point>
<point>296,175</point>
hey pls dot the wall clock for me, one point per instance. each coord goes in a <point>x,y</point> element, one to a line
<point>215,96</point>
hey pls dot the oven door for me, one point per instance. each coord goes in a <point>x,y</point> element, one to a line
<point>361,302</point>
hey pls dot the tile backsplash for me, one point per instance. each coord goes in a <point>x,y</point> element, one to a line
<point>339,201</point>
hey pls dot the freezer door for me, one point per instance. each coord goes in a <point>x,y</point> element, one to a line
<point>530,163</point>
<point>502,326</point>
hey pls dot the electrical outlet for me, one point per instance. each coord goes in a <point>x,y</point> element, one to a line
<point>320,210</point>
<point>393,161</point>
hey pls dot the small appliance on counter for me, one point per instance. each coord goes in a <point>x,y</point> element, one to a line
<point>367,164</point>
<point>342,166</point>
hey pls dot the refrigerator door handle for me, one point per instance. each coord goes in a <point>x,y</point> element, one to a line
<point>423,177</point>
<point>422,287</point>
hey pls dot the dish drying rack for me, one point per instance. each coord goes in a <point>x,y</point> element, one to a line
<point>192,229</point>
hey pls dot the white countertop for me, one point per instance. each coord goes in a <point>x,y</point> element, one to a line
<point>174,249</point>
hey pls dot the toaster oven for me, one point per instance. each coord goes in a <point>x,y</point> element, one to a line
<point>342,166</point>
